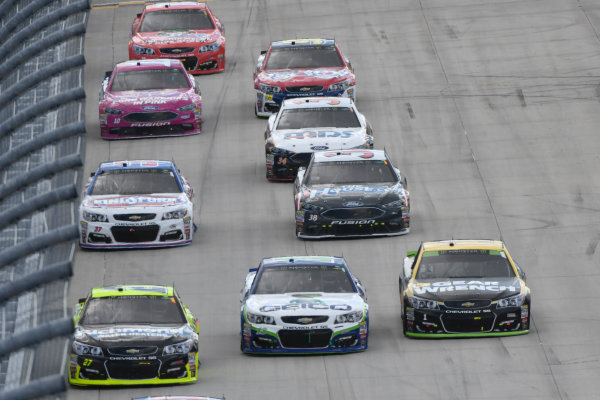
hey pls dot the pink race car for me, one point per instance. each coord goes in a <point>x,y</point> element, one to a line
<point>143,98</point>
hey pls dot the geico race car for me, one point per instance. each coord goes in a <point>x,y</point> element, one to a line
<point>351,193</point>
<point>301,68</point>
<point>140,203</point>
<point>303,126</point>
<point>463,288</point>
<point>305,304</point>
<point>133,335</point>
<point>149,98</point>
<point>185,30</point>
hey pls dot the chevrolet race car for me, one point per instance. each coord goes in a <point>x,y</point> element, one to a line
<point>149,98</point>
<point>133,335</point>
<point>139,203</point>
<point>305,304</point>
<point>351,193</point>
<point>301,68</point>
<point>188,31</point>
<point>463,288</point>
<point>305,125</point>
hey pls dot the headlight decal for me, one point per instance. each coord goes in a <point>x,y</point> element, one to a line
<point>94,217</point>
<point>422,304</point>
<point>141,51</point>
<point>179,348</point>
<point>269,89</point>
<point>83,349</point>
<point>175,214</point>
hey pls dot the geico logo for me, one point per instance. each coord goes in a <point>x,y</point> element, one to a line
<point>335,307</point>
<point>354,222</point>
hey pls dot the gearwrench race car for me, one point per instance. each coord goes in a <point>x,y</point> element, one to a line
<point>139,203</point>
<point>149,98</point>
<point>303,126</point>
<point>186,30</point>
<point>133,335</point>
<point>351,193</point>
<point>305,304</point>
<point>301,68</point>
<point>463,288</point>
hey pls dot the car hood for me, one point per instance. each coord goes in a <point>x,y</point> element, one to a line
<point>314,139</point>
<point>149,100</point>
<point>178,37</point>
<point>304,303</point>
<point>129,334</point>
<point>364,194</point>
<point>465,288</point>
<point>304,76</point>
<point>131,202</point>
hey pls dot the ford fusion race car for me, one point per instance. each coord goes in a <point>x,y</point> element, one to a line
<point>133,335</point>
<point>149,98</point>
<point>140,203</point>
<point>303,126</point>
<point>185,30</point>
<point>306,304</point>
<point>351,193</point>
<point>301,68</point>
<point>463,288</point>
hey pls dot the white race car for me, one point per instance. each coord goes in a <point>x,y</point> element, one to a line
<point>304,304</point>
<point>305,125</point>
<point>140,203</point>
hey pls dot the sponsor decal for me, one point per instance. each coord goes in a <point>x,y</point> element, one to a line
<point>305,303</point>
<point>118,332</point>
<point>468,311</point>
<point>149,108</point>
<point>364,154</point>
<point>281,76</point>
<point>353,204</point>
<point>318,134</point>
<point>318,148</point>
<point>325,73</point>
<point>455,286</point>
<point>136,201</point>
<point>337,191</point>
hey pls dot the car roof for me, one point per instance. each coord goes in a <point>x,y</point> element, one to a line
<point>158,63</point>
<point>303,42</point>
<point>129,290</point>
<point>175,5</point>
<point>349,155</point>
<point>316,102</point>
<point>302,260</point>
<point>136,164</point>
<point>464,244</point>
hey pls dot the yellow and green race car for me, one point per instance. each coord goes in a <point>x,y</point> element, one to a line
<point>463,288</point>
<point>133,335</point>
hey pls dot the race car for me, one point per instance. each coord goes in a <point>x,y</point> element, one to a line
<point>303,304</point>
<point>463,288</point>
<point>305,125</point>
<point>185,30</point>
<point>301,68</point>
<point>149,98</point>
<point>138,203</point>
<point>133,335</point>
<point>351,193</point>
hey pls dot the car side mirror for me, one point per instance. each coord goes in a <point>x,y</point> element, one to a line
<point>271,121</point>
<point>136,23</point>
<point>361,289</point>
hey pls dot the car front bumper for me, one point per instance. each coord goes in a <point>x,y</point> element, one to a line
<point>269,103</point>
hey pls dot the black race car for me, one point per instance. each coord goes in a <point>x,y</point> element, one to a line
<point>463,288</point>
<point>133,335</point>
<point>351,193</point>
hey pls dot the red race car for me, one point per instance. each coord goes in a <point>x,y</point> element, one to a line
<point>184,30</point>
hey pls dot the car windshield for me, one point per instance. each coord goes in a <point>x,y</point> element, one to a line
<point>345,172</point>
<point>304,57</point>
<point>135,181</point>
<point>304,278</point>
<point>133,310</point>
<point>149,79</point>
<point>168,20</point>
<point>464,264</point>
<point>300,118</point>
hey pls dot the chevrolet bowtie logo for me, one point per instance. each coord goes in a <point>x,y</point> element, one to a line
<point>132,351</point>
<point>305,320</point>
<point>468,304</point>
<point>176,50</point>
<point>134,217</point>
<point>305,89</point>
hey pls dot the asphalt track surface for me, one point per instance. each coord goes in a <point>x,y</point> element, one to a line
<point>490,107</point>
